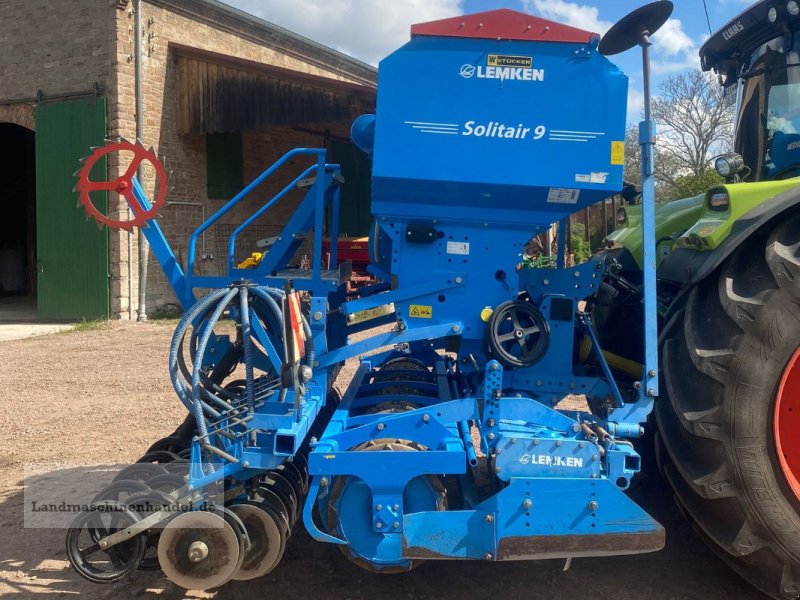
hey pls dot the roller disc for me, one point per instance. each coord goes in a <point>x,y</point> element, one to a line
<point>285,492</point>
<point>232,519</point>
<point>159,457</point>
<point>199,550</point>
<point>391,407</point>
<point>140,471</point>
<point>294,500</point>
<point>119,491</point>
<point>267,540</point>
<point>171,443</point>
<point>349,513</point>
<point>166,483</point>
<point>178,467</point>
<point>83,548</point>
<point>300,461</point>
<point>145,504</point>
<point>293,476</point>
<point>266,495</point>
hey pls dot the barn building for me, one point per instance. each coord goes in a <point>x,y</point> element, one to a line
<point>223,95</point>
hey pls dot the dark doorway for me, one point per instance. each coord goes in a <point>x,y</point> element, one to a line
<point>18,220</point>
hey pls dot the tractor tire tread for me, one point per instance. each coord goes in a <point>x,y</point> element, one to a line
<point>721,364</point>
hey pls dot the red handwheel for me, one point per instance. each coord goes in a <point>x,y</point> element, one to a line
<point>122,185</point>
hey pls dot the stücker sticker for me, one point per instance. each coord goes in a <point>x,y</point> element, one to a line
<point>617,153</point>
<point>420,311</point>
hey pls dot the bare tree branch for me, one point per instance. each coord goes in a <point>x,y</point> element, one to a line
<point>694,123</point>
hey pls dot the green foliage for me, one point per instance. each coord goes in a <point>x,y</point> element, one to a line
<point>687,186</point>
<point>90,325</point>
<point>581,249</point>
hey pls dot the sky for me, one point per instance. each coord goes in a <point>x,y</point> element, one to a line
<point>371,29</point>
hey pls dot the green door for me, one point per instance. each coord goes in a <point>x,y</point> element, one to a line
<point>355,219</point>
<point>72,252</point>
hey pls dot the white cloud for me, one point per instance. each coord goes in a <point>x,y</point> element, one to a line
<point>688,62</point>
<point>635,105</point>
<point>671,39</point>
<point>569,13</point>
<point>364,29</point>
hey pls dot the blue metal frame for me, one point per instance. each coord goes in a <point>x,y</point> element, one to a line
<point>454,213</point>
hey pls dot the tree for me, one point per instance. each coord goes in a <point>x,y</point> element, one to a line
<point>695,122</point>
<point>687,186</point>
<point>665,166</point>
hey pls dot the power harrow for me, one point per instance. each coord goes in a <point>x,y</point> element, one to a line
<point>474,427</point>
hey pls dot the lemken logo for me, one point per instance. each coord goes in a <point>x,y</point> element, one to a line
<point>467,71</point>
<point>733,31</point>
<point>548,460</point>
<point>504,68</point>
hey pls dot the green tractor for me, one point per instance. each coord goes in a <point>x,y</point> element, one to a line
<point>728,419</point>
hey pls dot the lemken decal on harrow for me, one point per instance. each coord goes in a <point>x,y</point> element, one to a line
<point>450,442</point>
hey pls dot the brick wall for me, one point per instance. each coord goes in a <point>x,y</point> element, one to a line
<point>55,47</point>
<point>69,45</point>
<point>185,156</point>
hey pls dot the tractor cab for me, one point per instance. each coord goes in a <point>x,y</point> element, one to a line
<point>759,52</point>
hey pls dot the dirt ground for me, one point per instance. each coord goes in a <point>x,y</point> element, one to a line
<point>102,396</point>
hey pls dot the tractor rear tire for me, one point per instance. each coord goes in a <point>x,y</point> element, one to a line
<point>727,347</point>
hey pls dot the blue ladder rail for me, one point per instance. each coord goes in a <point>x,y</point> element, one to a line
<point>310,213</point>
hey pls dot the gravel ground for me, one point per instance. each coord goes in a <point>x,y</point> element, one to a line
<point>102,396</point>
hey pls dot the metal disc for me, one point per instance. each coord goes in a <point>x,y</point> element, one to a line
<point>290,472</point>
<point>300,460</point>
<point>267,541</point>
<point>170,443</point>
<point>159,457</point>
<point>166,483</point>
<point>144,504</point>
<point>627,32</point>
<point>267,496</point>
<point>350,503</point>
<point>284,491</point>
<point>119,490</point>
<point>201,533</point>
<point>232,519</point>
<point>177,467</point>
<point>295,501</point>
<point>139,471</point>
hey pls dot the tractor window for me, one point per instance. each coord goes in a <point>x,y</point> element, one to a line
<point>783,123</point>
<point>768,124</point>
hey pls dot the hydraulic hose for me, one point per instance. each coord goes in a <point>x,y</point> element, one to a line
<point>203,396</point>
<point>269,295</point>
<point>175,345</point>
<point>247,341</point>
<point>197,405</point>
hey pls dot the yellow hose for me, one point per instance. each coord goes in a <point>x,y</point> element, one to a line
<point>631,368</point>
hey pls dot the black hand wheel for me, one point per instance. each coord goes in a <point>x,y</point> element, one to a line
<point>517,334</point>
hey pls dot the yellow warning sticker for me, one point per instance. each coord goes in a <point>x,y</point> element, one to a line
<point>419,311</point>
<point>617,153</point>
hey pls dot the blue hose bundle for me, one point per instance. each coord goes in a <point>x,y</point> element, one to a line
<point>202,394</point>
